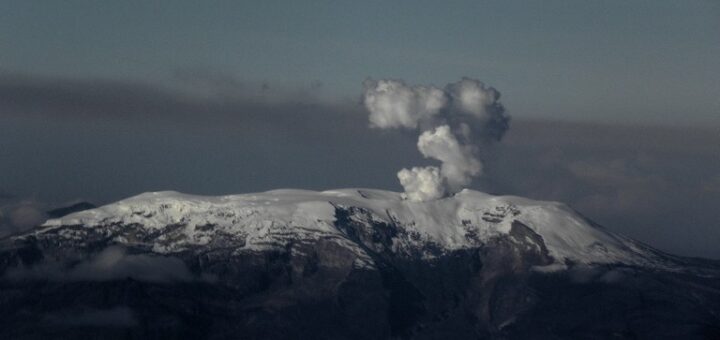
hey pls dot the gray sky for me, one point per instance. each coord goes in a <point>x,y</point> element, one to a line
<point>627,61</point>
<point>615,104</point>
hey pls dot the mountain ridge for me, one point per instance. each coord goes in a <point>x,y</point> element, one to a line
<point>447,222</point>
<point>346,264</point>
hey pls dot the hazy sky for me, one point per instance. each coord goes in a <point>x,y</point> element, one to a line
<point>615,104</point>
<point>628,61</point>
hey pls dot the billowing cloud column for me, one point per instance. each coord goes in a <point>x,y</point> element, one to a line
<point>457,120</point>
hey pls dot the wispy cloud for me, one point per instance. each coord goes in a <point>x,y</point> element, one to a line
<point>112,263</point>
<point>653,183</point>
<point>18,215</point>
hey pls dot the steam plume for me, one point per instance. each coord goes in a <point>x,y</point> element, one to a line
<point>455,122</point>
<point>393,104</point>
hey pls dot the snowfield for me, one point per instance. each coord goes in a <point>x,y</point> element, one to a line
<point>269,219</point>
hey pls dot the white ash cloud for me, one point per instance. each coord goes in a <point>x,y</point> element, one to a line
<point>456,121</point>
<point>393,104</point>
<point>473,97</point>
<point>459,163</point>
<point>422,183</point>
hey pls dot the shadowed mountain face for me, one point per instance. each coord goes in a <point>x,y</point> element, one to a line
<point>346,264</point>
<point>63,211</point>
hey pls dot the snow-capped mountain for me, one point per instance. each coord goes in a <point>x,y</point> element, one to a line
<point>370,262</point>
<point>169,222</point>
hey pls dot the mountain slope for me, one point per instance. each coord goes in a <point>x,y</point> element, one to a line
<point>351,263</point>
<point>463,221</point>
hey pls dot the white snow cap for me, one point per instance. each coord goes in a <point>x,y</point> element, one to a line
<point>274,219</point>
<point>457,120</point>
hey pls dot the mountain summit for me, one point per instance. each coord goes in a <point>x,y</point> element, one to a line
<point>350,263</point>
<point>170,222</point>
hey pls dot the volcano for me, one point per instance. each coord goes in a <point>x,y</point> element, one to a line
<point>346,264</point>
